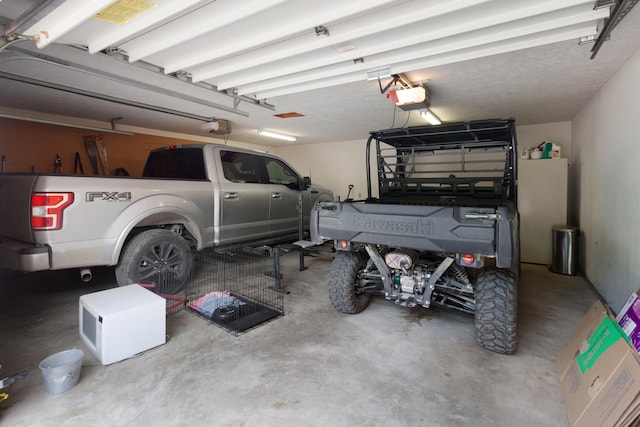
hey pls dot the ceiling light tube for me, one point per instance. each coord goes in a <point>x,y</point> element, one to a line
<point>276,135</point>
<point>431,118</point>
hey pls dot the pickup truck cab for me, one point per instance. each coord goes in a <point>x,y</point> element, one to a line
<point>190,197</point>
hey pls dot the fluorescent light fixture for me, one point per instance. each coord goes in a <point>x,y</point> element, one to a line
<point>430,117</point>
<point>276,135</point>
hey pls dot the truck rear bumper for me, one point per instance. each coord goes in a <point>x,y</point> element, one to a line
<point>23,256</point>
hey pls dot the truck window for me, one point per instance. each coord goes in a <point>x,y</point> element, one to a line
<point>240,167</point>
<point>280,173</point>
<point>182,163</point>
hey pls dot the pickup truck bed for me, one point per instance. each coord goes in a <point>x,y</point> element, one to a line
<point>95,225</point>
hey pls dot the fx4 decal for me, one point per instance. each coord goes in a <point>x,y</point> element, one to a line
<point>108,196</point>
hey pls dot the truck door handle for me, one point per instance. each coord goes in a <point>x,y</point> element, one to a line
<point>276,196</point>
<point>231,196</point>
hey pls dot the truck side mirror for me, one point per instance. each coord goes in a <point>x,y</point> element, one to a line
<point>306,182</point>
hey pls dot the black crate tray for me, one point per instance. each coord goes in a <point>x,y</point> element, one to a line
<point>240,318</point>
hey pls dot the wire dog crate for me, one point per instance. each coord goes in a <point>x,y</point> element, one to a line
<point>233,290</point>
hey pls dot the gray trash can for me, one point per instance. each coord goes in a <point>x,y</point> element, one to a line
<point>565,250</point>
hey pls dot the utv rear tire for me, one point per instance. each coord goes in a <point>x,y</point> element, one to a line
<point>343,277</point>
<point>157,256</point>
<point>496,312</point>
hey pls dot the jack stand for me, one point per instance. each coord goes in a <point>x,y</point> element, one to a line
<point>274,253</point>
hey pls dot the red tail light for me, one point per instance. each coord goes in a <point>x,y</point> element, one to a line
<point>46,210</point>
<point>468,259</point>
<point>343,244</point>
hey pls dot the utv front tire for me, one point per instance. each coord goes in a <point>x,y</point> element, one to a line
<point>343,282</point>
<point>157,256</point>
<point>497,310</point>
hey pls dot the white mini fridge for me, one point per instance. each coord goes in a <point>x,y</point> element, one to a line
<point>542,203</point>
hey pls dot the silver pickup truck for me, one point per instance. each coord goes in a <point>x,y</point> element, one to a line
<point>190,197</point>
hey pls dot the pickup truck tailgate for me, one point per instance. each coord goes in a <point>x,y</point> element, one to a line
<point>15,203</point>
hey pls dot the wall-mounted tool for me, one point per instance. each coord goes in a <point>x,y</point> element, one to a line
<point>77,164</point>
<point>90,145</point>
<point>57,164</point>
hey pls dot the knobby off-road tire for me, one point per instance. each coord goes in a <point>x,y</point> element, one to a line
<point>496,312</point>
<point>343,276</point>
<point>156,256</point>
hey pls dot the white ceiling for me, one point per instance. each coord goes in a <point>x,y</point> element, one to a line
<point>245,61</point>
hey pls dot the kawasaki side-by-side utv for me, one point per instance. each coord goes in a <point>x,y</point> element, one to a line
<point>443,228</point>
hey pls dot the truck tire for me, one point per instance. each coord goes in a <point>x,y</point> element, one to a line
<point>497,310</point>
<point>343,277</point>
<point>157,256</point>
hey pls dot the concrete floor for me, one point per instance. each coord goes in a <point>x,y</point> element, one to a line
<point>314,366</point>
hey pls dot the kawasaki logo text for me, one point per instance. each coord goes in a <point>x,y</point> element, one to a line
<point>419,227</point>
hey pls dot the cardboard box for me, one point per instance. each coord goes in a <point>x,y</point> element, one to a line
<point>600,373</point>
<point>629,319</point>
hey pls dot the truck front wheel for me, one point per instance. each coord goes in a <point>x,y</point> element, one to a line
<point>497,310</point>
<point>344,281</point>
<point>157,256</point>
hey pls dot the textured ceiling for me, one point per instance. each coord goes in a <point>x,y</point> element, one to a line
<point>545,77</point>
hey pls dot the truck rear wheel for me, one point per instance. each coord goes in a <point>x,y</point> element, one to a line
<point>497,310</point>
<point>343,282</point>
<point>156,256</point>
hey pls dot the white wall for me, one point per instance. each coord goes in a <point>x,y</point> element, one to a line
<point>333,165</point>
<point>606,168</point>
<point>336,165</point>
